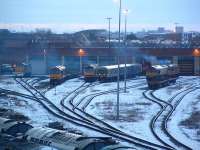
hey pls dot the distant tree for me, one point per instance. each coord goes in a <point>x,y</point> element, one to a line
<point>131,37</point>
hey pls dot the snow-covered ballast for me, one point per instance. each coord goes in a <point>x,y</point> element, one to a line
<point>111,72</point>
<point>161,75</point>
<point>63,140</point>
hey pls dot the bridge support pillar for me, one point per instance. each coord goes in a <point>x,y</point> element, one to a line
<point>45,63</point>
<point>98,60</point>
<point>133,60</point>
<point>175,60</point>
<point>62,60</point>
<point>115,59</point>
<point>27,59</point>
<point>197,65</point>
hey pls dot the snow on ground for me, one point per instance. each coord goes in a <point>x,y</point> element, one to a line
<point>46,148</point>
<point>135,111</point>
<point>32,109</point>
<point>35,111</point>
<point>60,91</point>
<point>185,109</point>
<point>187,134</point>
<point>57,93</point>
<point>182,84</point>
<point>105,87</point>
<point>10,84</point>
<point>38,115</point>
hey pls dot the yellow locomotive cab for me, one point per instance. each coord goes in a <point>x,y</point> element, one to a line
<point>151,74</point>
<point>57,74</point>
<point>161,75</point>
<point>88,74</point>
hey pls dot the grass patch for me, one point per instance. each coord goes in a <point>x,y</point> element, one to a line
<point>193,122</point>
<point>128,111</point>
<point>10,114</point>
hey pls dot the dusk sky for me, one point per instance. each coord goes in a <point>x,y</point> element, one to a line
<point>74,15</point>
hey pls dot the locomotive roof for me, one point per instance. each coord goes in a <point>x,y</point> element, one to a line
<point>59,67</point>
<point>62,137</point>
<point>116,66</point>
<point>161,67</point>
<point>117,146</point>
<point>3,120</point>
<point>85,142</point>
<point>41,133</point>
<point>6,123</point>
<point>26,64</point>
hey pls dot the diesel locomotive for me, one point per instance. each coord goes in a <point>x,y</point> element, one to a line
<point>57,74</point>
<point>90,73</point>
<point>161,75</point>
<point>110,73</point>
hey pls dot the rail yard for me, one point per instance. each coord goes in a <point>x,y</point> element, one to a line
<point>149,118</point>
<point>99,75</point>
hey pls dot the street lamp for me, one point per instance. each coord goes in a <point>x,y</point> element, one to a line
<point>81,53</point>
<point>119,42</point>
<point>196,52</point>
<point>126,11</point>
<point>108,18</point>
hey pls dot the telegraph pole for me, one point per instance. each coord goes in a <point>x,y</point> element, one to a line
<point>119,45</point>
<point>125,45</point>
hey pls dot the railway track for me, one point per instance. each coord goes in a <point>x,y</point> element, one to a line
<point>153,147</point>
<point>47,104</point>
<point>86,115</point>
<point>10,92</point>
<point>162,117</point>
<point>90,97</point>
<point>61,114</point>
<point>94,119</point>
<point>35,81</point>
